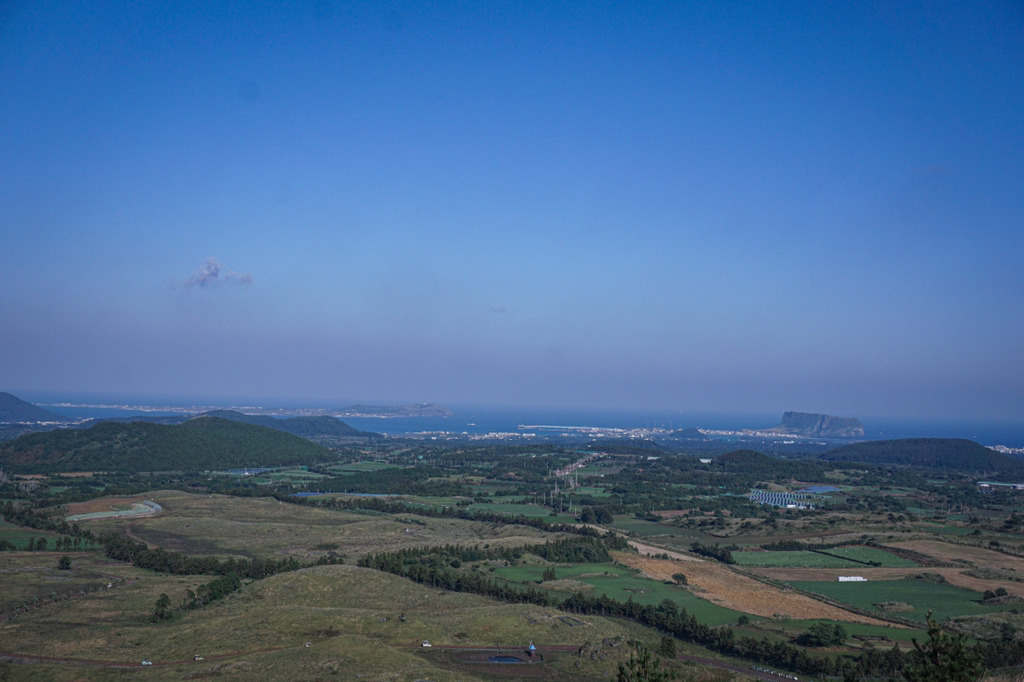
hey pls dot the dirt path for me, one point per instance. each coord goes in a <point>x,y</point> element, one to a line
<point>8,657</point>
<point>651,550</point>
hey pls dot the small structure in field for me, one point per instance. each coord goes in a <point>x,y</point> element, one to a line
<point>852,579</point>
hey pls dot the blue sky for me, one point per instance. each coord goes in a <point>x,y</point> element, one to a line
<point>720,206</point>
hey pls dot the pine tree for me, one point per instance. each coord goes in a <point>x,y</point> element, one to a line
<point>162,611</point>
<point>943,658</point>
<point>641,667</point>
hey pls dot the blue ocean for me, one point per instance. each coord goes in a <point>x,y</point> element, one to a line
<point>475,419</point>
<point>471,419</point>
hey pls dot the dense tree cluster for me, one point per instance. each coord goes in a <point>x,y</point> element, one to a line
<point>567,551</point>
<point>218,588</point>
<point>164,561</point>
<point>824,634</point>
<point>594,514</point>
<point>712,552</point>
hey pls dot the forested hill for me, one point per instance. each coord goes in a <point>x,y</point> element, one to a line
<point>757,463</point>
<point>304,427</point>
<point>199,444</point>
<point>953,454</point>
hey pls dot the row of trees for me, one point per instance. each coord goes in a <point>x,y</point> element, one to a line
<point>165,561</point>
<point>569,550</point>
<point>42,544</point>
<point>387,506</point>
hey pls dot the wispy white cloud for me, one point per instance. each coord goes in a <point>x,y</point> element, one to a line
<point>213,273</point>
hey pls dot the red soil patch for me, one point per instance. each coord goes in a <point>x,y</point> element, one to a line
<point>102,504</point>
<point>672,513</point>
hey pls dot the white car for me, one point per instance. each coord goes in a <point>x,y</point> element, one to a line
<point>425,643</point>
<point>147,662</point>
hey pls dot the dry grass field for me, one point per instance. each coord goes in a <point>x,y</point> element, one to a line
<point>26,576</point>
<point>358,623</point>
<point>226,526</point>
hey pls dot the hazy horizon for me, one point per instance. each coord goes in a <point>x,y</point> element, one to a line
<point>744,208</point>
<point>765,417</point>
<point>484,418</point>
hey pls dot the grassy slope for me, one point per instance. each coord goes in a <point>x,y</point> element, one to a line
<point>340,610</point>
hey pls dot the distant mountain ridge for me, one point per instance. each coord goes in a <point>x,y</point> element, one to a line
<point>200,444</point>
<point>14,410</point>
<point>820,425</point>
<point>955,454</point>
<point>313,428</point>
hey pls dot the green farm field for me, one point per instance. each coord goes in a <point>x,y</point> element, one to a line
<point>630,524</point>
<point>945,601</point>
<point>792,559</point>
<point>622,584</point>
<point>19,537</point>
<point>842,557</point>
<point>871,554</point>
<point>519,509</point>
<point>367,465</point>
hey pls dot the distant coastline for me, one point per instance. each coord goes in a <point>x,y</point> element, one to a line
<point>472,419</point>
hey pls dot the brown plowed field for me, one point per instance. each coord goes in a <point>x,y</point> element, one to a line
<point>102,504</point>
<point>945,551</point>
<point>740,593</point>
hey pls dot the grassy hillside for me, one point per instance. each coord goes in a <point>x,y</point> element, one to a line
<point>200,444</point>
<point>357,622</point>
<point>953,454</point>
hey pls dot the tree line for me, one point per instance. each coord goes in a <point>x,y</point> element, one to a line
<point>218,588</point>
<point>166,561</point>
<point>386,506</point>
